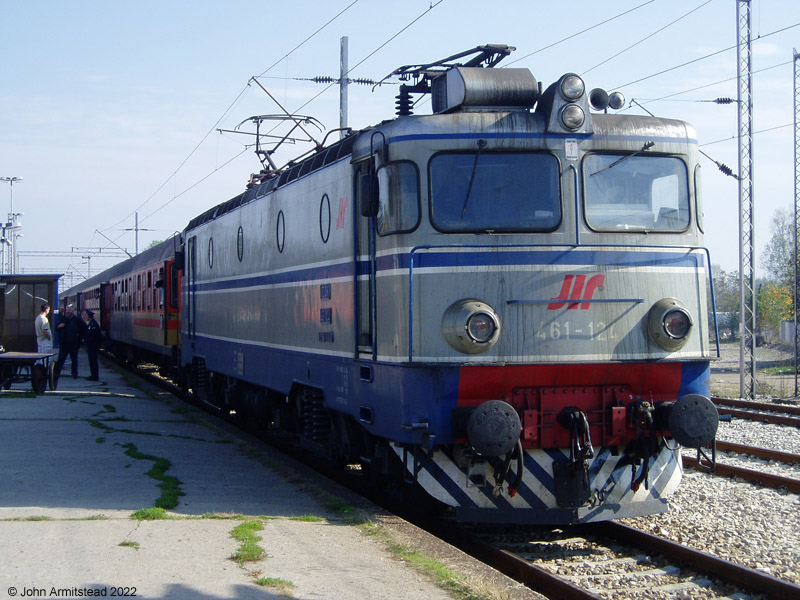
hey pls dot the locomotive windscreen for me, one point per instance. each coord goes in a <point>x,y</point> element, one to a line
<point>495,192</point>
<point>638,193</point>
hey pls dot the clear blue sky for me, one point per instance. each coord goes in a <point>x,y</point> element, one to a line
<point>107,109</point>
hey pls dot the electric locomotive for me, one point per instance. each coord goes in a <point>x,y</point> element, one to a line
<point>502,302</point>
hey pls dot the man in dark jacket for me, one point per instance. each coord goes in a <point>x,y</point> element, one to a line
<point>92,337</point>
<point>70,331</point>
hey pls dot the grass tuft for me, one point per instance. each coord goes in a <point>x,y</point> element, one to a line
<point>308,519</point>
<point>126,544</point>
<point>150,514</point>
<point>249,550</point>
<point>274,582</point>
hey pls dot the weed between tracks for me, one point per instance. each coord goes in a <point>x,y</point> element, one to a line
<point>170,486</point>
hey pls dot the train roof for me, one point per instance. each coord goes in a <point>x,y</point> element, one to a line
<point>321,158</point>
<point>158,253</point>
<point>505,104</point>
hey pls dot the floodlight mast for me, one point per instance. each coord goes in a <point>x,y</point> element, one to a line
<point>10,229</point>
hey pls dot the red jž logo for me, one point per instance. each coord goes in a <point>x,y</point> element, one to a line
<point>575,287</point>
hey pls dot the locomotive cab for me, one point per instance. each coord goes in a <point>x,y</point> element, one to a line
<point>547,266</point>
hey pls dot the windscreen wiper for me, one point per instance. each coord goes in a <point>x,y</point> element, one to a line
<point>647,146</point>
<point>481,146</point>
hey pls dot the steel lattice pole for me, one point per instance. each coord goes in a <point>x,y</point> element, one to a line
<point>747,296</point>
<point>796,89</point>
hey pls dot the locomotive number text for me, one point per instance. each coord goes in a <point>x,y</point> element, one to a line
<point>593,330</point>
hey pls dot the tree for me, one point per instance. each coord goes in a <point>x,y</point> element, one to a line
<point>726,295</point>
<point>777,259</point>
<point>773,305</point>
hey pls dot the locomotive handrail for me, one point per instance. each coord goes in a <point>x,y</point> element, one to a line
<point>415,249</point>
<point>581,301</point>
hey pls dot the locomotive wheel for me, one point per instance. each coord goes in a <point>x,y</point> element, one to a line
<point>52,377</point>
<point>38,378</point>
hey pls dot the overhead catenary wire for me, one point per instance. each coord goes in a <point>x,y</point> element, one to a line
<point>426,11</point>
<point>217,122</point>
<point>733,137</point>
<point>581,32</point>
<point>647,37</point>
<point>175,197</point>
<point>701,58</point>
<point>707,85</point>
<point>371,54</point>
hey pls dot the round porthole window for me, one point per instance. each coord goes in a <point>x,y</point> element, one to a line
<point>280,232</point>
<point>325,218</point>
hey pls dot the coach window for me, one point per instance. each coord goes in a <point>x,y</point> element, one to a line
<point>626,192</point>
<point>398,198</point>
<point>494,191</point>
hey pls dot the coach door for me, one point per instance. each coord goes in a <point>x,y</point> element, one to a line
<point>190,287</point>
<point>364,263</point>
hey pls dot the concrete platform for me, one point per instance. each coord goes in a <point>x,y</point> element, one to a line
<point>68,490</point>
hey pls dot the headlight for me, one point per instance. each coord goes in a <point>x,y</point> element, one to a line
<point>677,324</point>
<point>669,323</point>
<point>481,327</point>
<point>572,116</point>
<point>572,87</point>
<point>470,326</point>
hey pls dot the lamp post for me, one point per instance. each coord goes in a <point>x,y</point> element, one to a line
<point>11,226</point>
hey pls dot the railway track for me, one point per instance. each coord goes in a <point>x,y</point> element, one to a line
<point>593,563</point>
<point>759,475</point>
<point>765,412</point>
<point>612,560</point>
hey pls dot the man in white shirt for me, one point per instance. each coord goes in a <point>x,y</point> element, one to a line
<point>44,339</point>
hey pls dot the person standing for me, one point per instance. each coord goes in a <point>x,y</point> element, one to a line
<point>92,337</point>
<point>70,331</point>
<point>44,340</point>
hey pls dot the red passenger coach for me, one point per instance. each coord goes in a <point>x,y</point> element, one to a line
<point>137,304</point>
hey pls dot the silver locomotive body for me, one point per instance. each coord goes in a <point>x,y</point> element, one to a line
<point>509,304</point>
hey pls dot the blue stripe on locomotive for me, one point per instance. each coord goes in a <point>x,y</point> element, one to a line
<point>442,259</point>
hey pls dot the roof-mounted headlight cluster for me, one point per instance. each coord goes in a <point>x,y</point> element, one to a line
<point>565,106</point>
<point>571,88</point>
